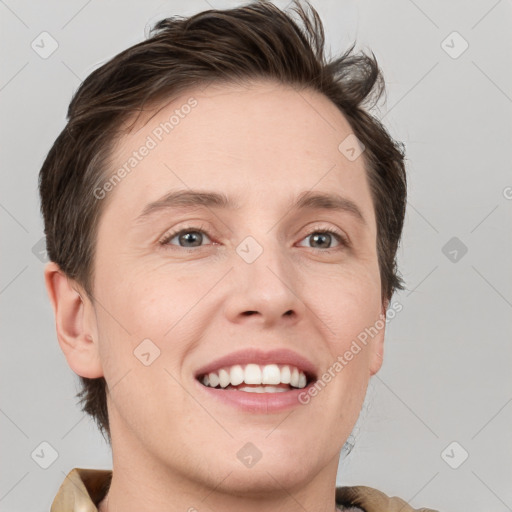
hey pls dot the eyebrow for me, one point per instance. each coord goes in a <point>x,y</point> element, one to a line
<point>195,199</point>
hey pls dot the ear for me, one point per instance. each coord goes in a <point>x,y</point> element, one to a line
<point>377,343</point>
<point>75,322</point>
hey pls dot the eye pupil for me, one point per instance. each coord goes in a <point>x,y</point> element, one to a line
<point>319,237</point>
<point>189,236</point>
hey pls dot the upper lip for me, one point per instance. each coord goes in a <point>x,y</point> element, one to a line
<point>281,356</point>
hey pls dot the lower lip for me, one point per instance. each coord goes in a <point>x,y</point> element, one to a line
<point>257,402</point>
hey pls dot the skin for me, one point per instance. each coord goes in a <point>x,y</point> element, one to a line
<point>173,447</point>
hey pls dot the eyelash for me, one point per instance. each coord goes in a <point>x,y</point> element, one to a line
<point>343,241</point>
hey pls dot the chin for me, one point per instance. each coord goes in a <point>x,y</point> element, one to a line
<point>268,477</point>
<point>279,465</point>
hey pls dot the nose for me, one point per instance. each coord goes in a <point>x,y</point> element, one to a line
<point>267,290</point>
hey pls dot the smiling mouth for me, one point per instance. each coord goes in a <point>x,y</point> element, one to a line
<point>256,378</point>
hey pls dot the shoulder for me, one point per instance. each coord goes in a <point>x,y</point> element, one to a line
<point>81,490</point>
<point>373,500</point>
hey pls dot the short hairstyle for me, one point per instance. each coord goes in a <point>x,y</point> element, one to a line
<point>251,42</point>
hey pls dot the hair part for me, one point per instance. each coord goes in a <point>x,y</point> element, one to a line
<point>253,42</point>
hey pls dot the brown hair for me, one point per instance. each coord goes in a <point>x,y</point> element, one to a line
<point>254,41</point>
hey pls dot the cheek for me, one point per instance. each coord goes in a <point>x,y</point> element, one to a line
<point>143,343</point>
<point>146,306</point>
<point>347,302</point>
<point>350,312</point>
<point>160,304</point>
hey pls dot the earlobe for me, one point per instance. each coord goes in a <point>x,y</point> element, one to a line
<point>74,322</point>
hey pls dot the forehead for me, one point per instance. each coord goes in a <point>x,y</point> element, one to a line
<point>247,141</point>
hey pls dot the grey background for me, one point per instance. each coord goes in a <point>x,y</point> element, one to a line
<point>446,374</point>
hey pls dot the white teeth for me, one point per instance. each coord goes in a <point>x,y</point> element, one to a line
<point>273,389</point>
<point>214,379</point>
<point>261,389</point>
<point>255,389</point>
<point>224,378</point>
<point>294,379</point>
<point>285,375</point>
<point>252,374</point>
<point>261,378</point>
<point>237,375</point>
<point>271,374</point>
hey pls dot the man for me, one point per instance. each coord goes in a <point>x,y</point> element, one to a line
<point>224,354</point>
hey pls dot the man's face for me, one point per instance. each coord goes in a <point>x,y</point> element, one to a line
<point>263,276</point>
